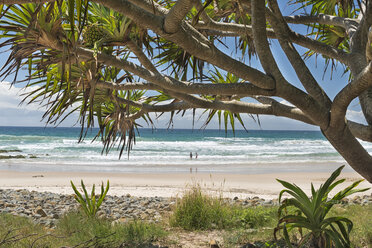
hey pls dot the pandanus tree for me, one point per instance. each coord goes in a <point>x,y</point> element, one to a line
<point>115,61</point>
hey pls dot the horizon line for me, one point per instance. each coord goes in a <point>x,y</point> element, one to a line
<point>194,129</point>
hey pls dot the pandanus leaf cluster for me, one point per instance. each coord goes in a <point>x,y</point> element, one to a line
<point>90,203</point>
<point>310,215</point>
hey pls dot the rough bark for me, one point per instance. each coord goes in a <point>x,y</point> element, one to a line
<point>350,149</point>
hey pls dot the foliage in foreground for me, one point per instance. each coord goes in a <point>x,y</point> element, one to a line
<point>311,214</point>
<point>88,203</point>
<point>102,233</point>
<point>262,236</point>
<point>76,230</point>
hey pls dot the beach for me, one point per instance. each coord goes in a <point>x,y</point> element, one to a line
<point>171,184</point>
<point>243,164</point>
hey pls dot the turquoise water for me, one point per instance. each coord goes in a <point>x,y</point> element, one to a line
<point>164,150</point>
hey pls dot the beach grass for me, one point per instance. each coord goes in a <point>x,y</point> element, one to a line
<point>199,211</point>
<point>77,230</point>
<point>361,216</point>
<point>17,232</point>
<point>100,232</point>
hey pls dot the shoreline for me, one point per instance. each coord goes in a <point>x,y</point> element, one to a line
<point>220,167</point>
<point>173,184</point>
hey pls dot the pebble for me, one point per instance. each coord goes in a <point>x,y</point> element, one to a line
<point>46,207</point>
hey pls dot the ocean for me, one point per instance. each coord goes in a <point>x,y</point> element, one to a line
<point>162,150</point>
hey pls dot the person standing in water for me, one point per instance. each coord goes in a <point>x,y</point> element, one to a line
<point>190,155</point>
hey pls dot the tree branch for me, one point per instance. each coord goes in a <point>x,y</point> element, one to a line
<point>342,100</point>
<point>269,107</point>
<point>320,47</point>
<point>234,29</point>
<point>141,56</point>
<point>175,16</point>
<point>241,89</point>
<point>188,38</point>
<point>150,6</point>
<point>172,84</point>
<point>360,131</point>
<point>302,71</point>
<point>360,36</point>
<point>280,109</point>
<point>348,24</point>
<point>260,40</point>
<point>127,86</point>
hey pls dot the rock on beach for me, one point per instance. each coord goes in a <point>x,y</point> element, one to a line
<point>46,207</point>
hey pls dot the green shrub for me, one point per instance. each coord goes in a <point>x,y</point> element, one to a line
<point>88,203</point>
<point>310,214</point>
<point>197,210</point>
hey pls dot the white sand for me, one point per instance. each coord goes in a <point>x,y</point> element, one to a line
<point>170,184</point>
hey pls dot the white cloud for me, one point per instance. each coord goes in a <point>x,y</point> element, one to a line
<point>11,97</point>
<point>356,116</point>
<point>13,114</point>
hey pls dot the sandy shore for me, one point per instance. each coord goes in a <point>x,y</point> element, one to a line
<point>170,184</point>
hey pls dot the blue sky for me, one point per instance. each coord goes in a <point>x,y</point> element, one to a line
<point>13,114</point>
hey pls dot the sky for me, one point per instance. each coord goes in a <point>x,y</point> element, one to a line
<point>13,114</point>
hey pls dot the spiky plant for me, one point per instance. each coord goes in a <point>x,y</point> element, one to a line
<point>43,38</point>
<point>311,214</point>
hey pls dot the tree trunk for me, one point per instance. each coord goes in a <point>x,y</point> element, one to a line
<point>366,103</point>
<point>350,149</point>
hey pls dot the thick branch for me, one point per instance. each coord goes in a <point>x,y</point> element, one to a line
<point>260,40</point>
<point>360,131</point>
<point>128,102</point>
<point>141,56</point>
<point>233,106</point>
<point>342,100</point>
<point>350,149</point>
<point>320,47</point>
<point>269,107</point>
<point>150,6</point>
<point>189,39</point>
<point>348,24</point>
<point>306,103</point>
<point>172,84</point>
<point>280,109</point>
<point>241,89</point>
<point>233,29</point>
<point>175,16</point>
<point>359,38</point>
<point>127,86</point>
<point>302,71</point>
